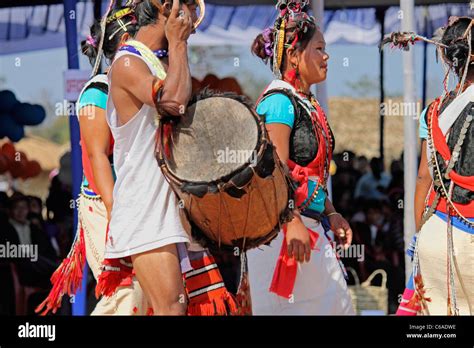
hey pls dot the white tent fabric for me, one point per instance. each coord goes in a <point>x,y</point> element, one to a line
<point>42,27</point>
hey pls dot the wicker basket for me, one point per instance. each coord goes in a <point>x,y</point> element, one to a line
<point>365,296</point>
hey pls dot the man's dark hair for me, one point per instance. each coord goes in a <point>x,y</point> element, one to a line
<point>147,12</point>
<point>15,199</point>
<point>457,51</point>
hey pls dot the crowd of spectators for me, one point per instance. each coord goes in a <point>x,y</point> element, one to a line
<point>371,199</point>
<point>34,238</point>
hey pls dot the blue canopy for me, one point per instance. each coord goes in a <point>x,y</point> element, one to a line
<point>42,27</point>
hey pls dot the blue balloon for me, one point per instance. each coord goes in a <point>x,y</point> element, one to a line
<point>10,128</point>
<point>7,101</point>
<point>28,115</point>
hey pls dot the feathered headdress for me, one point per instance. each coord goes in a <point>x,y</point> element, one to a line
<point>403,40</point>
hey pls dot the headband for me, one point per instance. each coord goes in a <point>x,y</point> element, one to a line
<point>290,11</point>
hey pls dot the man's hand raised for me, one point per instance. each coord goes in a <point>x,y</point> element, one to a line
<point>179,24</point>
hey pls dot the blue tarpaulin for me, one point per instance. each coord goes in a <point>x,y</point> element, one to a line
<point>42,27</point>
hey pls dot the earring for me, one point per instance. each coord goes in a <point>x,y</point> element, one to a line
<point>297,82</point>
<point>292,75</point>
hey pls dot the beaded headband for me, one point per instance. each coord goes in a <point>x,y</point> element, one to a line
<point>290,11</point>
<point>100,53</point>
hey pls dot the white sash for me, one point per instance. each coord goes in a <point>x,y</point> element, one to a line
<point>280,84</point>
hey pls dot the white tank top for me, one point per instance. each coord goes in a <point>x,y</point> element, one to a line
<point>145,212</point>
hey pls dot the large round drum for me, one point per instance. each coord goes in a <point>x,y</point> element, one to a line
<point>219,161</point>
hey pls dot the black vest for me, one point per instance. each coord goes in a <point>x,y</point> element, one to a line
<point>465,164</point>
<point>303,141</point>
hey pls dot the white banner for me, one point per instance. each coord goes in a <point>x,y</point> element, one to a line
<point>74,81</point>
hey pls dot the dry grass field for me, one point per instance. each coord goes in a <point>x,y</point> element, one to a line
<point>355,123</point>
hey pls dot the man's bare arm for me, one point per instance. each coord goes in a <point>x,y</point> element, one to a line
<point>177,86</point>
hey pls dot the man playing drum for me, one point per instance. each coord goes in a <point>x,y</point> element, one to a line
<point>145,228</point>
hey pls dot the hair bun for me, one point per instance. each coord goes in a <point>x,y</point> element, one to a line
<point>89,46</point>
<point>262,46</point>
<point>458,53</point>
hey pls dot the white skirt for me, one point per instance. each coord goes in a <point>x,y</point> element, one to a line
<point>127,300</point>
<point>432,252</point>
<point>320,287</point>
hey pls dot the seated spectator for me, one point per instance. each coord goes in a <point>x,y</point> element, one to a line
<point>381,233</point>
<point>361,165</point>
<point>19,232</point>
<point>373,184</point>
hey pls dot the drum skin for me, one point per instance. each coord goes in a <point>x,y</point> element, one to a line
<point>229,204</point>
<point>216,137</point>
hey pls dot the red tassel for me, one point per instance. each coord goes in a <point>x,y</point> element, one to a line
<point>211,302</point>
<point>244,300</point>
<point>416,302</point>
<point>163,138</point>
<point>67,279</point>
<point>111,278</point>
<point>225,304</point>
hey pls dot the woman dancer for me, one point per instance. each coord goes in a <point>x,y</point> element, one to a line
<point>307,276</point>
<point>443,277</point>
<point>95,200</point>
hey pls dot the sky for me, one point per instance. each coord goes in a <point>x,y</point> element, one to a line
<point>38,75</point>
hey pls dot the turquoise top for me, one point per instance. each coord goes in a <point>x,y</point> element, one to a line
<point>94,97</point>
<point>423,130</point>
<point>277,108</point>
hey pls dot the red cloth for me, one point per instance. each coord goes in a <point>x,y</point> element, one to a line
<point>408,307</point>
<point>284,276</point>
<point>207,294</point>
<point>467,210</point>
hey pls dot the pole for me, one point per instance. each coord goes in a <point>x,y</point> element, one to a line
<point>410,153</point>
<point>425,58</point>
<point>380,13</point>
<point>321,88</point>
<point>97,9</point>
<point>79,302</point>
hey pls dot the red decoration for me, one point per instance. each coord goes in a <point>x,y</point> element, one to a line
<point>4,163</point>
<point>8,149</point>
